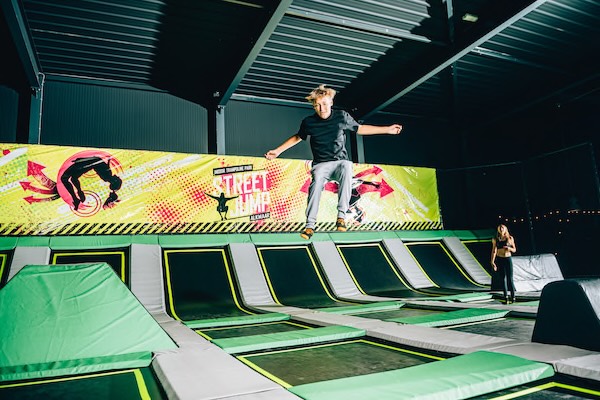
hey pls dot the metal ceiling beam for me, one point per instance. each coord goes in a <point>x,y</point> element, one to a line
<point>22,40</point>
<point>460,52</point>
<point>95,81</point>
<point>350,23</point>
<point>482,51</point>
<point>268,100</point>
<point>260,43</point>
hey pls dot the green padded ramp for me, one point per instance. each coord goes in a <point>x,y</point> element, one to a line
<point>286,339</point>
<point>231,321</point>
<point>73,319</point>
<point>461,297</point>
<point>460,377</point>
<point>452,317</point>
<point>379,306</point>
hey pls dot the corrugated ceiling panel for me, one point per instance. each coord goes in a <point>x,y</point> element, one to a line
<point>429,99</point>
<point>550,36</point>
<point>112,40</point>
<point>402,15</point>
<point>515,67</point>
<point>301,54</point>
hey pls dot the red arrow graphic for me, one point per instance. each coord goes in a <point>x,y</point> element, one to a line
<point>28,186</point>
<point>35,170</point>
<point>382,187</point>
<point>375,170</point>
<point>32,199</point>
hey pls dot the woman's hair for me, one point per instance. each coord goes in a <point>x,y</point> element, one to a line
<point>500,228</point>
<point>321,91</point>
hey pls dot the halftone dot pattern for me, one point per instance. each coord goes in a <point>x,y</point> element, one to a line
<point>11,168</point>
<point>165,212</point>
<point>286,188</point>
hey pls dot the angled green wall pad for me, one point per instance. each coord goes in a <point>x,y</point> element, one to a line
<point>423,235</point>
<point>34,241</point>
<point>361,237</point>
<point>461,297</point>
<point>8,243</point>
<point>474,235</point>
<point>285,339</point>
<point>452,317</point>
<point>231,321</point>
<point>379,306</point>
<point>89,242</point>
<point>268,239</point>
<point>56,318</point>
<point>460,377</point>
<point>439,235</point>
<point>201,240</point>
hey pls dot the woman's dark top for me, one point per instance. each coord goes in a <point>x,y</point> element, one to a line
<point>501,243</point>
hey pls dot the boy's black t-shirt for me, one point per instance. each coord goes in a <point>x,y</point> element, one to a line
<point>328,136</point>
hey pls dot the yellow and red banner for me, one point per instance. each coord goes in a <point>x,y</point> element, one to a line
<point>50,190</point>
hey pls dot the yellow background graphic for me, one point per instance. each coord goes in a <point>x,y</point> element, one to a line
<point>161,189</point>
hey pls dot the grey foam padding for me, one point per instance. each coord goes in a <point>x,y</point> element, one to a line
<point>274,394</point>
<point>253,285</point>
<point>337,274</point>
<point>23,256</point>
<point>403,259</point>
<point>183,336</point>
<point>569,314</point>
<point>327,319</point>
<point>587,367</point>
<point>532,273</point>
<point>540,352</point>
<point>443,340</point>
<point>515,309</point>
<point>207,374</point>
<point>147,278</point>
<point>467,261</point>
<point>410,335</point>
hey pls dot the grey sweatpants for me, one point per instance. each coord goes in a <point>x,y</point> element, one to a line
<point>339,171</point>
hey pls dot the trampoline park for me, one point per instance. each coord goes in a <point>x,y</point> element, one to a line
<point>272,316</point>
<point>155,239</point>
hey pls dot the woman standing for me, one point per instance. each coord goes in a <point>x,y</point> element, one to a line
<point>503,246</point>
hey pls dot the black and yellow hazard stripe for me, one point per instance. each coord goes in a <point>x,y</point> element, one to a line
<point>108,228</point>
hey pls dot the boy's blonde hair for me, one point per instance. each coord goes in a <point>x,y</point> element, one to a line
<point>321,91</point>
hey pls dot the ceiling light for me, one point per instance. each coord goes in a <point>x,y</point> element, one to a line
<point>244,3</point>
<point>470,17</point>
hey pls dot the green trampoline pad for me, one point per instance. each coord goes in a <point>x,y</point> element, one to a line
<point>249,330</point>
<point>322,362</point>
<point>128,384</point>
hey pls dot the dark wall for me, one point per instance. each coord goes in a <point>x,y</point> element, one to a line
<point>76,114</point>
<point>252,129</point>
<point>422,143</point>
<point>537,172</point>
<point>9,108</point>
